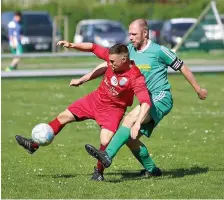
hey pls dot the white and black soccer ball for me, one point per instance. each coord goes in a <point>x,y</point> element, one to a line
<point>43,134</point>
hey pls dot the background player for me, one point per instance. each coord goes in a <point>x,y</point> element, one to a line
<point>14,35</point>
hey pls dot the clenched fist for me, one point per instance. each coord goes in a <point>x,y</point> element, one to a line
<point>76,82</point>
<point>64,44</point>
<point>202,94</point>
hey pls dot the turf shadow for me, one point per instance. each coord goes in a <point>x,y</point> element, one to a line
<point>172,173</point>
<point>181,172</point>
<point>59,175</point>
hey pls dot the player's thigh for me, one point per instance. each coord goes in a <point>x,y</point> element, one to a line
<point>132,116</point>
<point>19,50</point>
<point>161,105</point>
<point>105,136</point>
<point>83,108</point>
<point>13,50</point>
<point>110,118</point>
<point>134,144</point>
<point>65,117</point>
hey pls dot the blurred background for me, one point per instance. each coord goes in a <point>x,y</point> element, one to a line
<point>183,25</point>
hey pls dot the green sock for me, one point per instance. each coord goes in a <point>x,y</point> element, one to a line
<point>12,67</point>
<point>142,155</point>
<point>120,138</point>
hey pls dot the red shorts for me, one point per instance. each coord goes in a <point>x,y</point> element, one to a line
<point>89,107</point>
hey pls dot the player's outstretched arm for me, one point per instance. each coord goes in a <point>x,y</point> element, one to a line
<point>201,92</point>
<point>98,71</point>
<point>99,51</point>
<point>85,46</point>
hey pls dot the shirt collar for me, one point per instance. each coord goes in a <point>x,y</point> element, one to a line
<point>146,47</point>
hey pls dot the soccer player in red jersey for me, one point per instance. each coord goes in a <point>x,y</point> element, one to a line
<point>107,104</point>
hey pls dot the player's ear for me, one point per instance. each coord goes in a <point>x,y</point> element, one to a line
<point>146,33</point>
<point>124,59</point>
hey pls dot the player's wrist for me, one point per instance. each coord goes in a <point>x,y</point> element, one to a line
<point>197,89</point>
<point>72,45</point>
<point>138,122</point>
<point>83,80</point>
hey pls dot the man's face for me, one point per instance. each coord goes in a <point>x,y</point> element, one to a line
<point>117,62</point>
<point>17,18</point>
<point>136,35</point>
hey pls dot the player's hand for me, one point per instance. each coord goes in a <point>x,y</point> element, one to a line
<point>135,130</point>
<point>64,44</point>
<point>202,94</point>
<point>76,82</point>
<point>14,46</point>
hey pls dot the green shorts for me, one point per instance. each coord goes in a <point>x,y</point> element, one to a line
<point>17,51</point>
<point>162,104</point>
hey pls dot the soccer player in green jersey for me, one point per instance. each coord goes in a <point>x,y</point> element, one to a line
<point>153,60</point>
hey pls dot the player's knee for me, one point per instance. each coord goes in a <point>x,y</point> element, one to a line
<point>105,137</point>
<point>132,144</point>
<point>16,60</point>
<point>105,141</point>
<point>65,117</point>
<point>129,120</point>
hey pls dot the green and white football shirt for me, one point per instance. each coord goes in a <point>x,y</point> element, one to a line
<point>153,61</point>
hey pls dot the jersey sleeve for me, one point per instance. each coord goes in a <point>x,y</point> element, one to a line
<point>101,52</point>
<point>140,89</point>
<point>170,58</point>
<point>11,27</point>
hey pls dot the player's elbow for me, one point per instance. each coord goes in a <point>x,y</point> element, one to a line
<point>184,69</point>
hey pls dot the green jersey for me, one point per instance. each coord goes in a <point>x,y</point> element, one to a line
<point>153,62</point>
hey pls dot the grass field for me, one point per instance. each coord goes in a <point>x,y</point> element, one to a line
<point>191,58</point>
<point>187,146</point>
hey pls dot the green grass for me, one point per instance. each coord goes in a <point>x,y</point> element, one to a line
<point>187,145</point>
<point>55,63</point>
<point>215,55</point>
<point>190,57</point>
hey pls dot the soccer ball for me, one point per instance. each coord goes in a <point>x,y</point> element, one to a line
<point>43,134</point>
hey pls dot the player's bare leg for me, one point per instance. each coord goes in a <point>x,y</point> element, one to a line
<point>119,139</point>
<point>57,124</point>
<point>105,137</point>
<point>13,64</point>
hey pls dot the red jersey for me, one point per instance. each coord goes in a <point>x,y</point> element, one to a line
<point>118,88</point>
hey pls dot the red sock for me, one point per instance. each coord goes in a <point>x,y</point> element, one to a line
<point>99,164</point>
<point>35,145</point>
<point>56,126</point>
